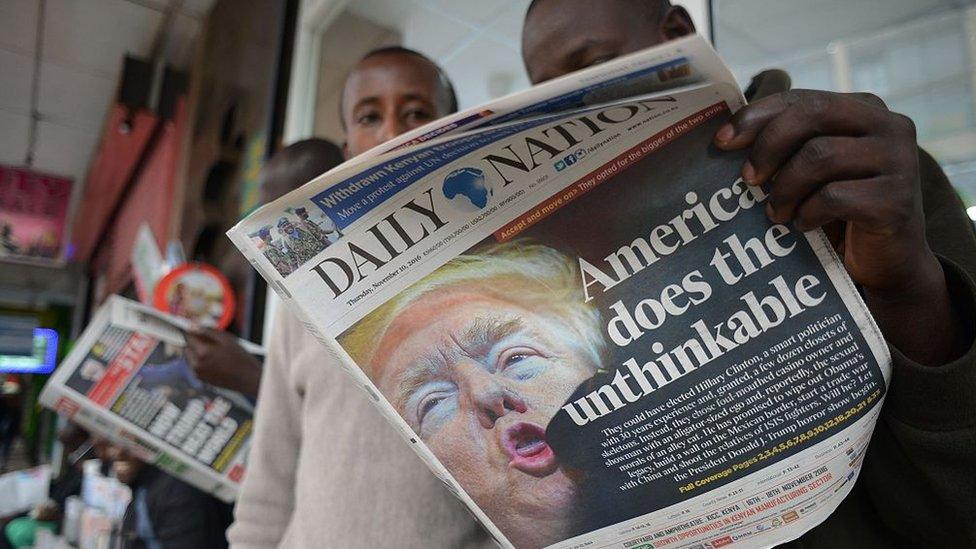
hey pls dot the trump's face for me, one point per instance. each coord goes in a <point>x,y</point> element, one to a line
<point>479,377</point>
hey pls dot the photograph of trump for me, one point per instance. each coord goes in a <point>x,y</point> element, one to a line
<point>478,357</point>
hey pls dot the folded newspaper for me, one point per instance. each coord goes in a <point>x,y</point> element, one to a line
<point>579,316</point>
<point>128,379</point>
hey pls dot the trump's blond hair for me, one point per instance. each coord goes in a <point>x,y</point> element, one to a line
<point>533,276</point>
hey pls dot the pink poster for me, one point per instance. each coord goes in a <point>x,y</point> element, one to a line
<point>33,213</point>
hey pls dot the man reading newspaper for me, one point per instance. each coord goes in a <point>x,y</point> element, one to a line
<point>846,163</point>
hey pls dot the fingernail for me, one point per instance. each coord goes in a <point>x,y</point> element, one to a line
<point>749,173</point>
<point>725,133</point>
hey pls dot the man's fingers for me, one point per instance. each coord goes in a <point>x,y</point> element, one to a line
<point>203,335</point>
<point>197,342</point>
<point>850,200</point>
<point>777,126</point>
<point>820,161</point>
<point>192,354</point>
<point>746,124</point>
<point>814,115</point>
<point>870,99</point>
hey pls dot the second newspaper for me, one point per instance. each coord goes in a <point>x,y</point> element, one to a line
<point>582,319</point>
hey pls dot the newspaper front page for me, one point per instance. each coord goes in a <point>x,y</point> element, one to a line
<point>128,379</point>
<point>587,326</point>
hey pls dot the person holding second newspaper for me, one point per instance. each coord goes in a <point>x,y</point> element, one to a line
<point>845,163</point>
<point>325,468</point>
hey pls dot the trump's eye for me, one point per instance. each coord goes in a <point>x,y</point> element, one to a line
<point>427,404</point>
<point>434,404</point>
<point>521,362</point>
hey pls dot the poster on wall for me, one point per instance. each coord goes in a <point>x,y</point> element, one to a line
<point>33,214</point>
<point>257,148</point>
<point>147,262</point>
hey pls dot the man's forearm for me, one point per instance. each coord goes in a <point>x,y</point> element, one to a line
<point>922,324</point>
<point>249,382</point>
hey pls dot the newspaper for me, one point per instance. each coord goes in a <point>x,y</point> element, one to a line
<point>128,380</point>
<point>584,322</point>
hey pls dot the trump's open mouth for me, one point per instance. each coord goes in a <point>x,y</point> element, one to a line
<point>526,446</point>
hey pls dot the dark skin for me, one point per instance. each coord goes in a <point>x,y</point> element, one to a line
<point>296,165</point>
<point>217,359</point>
<point>842,162</point>
<point>387,95</point>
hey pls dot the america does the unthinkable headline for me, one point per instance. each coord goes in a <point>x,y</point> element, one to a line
<point>735,259</point>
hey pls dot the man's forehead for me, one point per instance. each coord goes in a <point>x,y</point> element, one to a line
<point>392,73</point>
<point>554,41</point>
<point>473,339</point>
<point>446,316</point>
<point>552,30</point>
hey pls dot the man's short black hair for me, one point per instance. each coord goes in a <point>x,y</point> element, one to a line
<point>297,164</point>
<point>659,6</point>
<point>444,81</point>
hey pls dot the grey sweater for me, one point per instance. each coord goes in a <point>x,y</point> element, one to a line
<point>326,469</point>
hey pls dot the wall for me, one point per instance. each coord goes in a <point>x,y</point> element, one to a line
<point>349,37</point>
<point>233,73</point>
<point>475,42</point>
<point>919,56</point>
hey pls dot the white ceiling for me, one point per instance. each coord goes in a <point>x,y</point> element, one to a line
<point>749,31</point>
<point>476,41</point>
<point>83,44</point>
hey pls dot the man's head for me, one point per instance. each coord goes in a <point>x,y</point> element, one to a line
<point>285,226</point>
<point>296,165</point>
<point>478,357</point>
<point>554,42</point>
<point>390,92</point>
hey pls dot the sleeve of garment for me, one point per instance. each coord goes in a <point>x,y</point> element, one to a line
<point>183,517</point>
<point>920,470</point>
<point>948,229</point>
<point>265,505</point>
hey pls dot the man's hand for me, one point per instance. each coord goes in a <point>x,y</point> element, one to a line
<point>845,163</point>
<point>217,359</point>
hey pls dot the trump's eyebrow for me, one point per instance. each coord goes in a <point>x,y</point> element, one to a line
<point>475,342</point>
<point>419,372</point>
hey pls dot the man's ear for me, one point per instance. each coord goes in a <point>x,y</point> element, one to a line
<point>676,23</point>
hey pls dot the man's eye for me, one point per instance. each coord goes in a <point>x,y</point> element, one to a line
<point>367,119</point>
<point>418,115</point>
<point>597,61</point>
